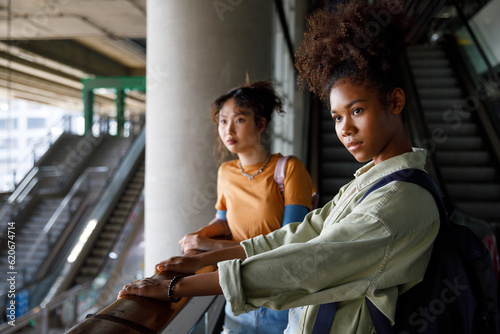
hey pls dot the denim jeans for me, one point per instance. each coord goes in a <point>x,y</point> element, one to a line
<point>293,320</point>
<point>261,321</point>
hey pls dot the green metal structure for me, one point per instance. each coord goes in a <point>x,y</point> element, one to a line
<point>119,84</point>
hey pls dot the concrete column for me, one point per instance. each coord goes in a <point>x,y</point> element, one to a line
<point>197,50</point>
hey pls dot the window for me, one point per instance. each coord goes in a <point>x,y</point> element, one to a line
<point>8,123</point>
<point>36,123</point>
<point>8,143</point>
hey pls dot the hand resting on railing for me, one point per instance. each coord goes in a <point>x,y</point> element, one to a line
<point>189,286</point>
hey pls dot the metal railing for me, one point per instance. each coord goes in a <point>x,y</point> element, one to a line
<point>41,314</point>
<point>81,185</point>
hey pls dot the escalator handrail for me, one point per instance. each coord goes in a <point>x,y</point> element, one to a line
<point>467,26</point>
<point>97,217</point>
<point>489,123</point>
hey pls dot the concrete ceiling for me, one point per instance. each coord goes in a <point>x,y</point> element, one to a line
<point>48,46</point>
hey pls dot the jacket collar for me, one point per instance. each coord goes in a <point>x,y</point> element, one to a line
<point>370,172</point>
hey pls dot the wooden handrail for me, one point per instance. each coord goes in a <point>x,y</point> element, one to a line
<point>135,314</point>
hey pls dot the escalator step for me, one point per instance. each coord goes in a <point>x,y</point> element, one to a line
<point>458,128</point>
<point>113,227</point>
<point>461,143</point>
<point>433,72</point>
<point>125,205</point>
<point>103,243</point>
<point>133,185</point>
<point>418,63</point>
<point>440,92</point>
<point>120,212</point>
<point>469,174</point>
<point>339,169</point>
<point>436,82</point>
<point>327,127</point>
<point>116,220</point>
<point>449,116</point>
<point>132,192</point>
<point>93,261</point>
<point>487,210</point>
<point>440,103</point>
<point>128,198</point>
<point>89,271</point>
<point>333,184</point>
<point>474,191</point>
<point>99,252</point>
<point>330,139</point>
<point>107,235</point>
<point>463,158</point>
<point>426,51</point>
<point>336,154</point>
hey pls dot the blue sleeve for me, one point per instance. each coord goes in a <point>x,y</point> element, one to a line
<point>221,214</point>
<point>294,213</point>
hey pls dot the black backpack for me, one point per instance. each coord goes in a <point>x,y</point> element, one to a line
<point>458,292</point>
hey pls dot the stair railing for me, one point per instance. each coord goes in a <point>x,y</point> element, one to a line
<point>15,200</point>
<point>41,314</point>
<point>66,205</point>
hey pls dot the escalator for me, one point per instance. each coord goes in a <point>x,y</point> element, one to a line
<point>67,159</point>
<point>112,227</point>
<point>465,160</point>
<point>47,226</point>
<point>98,242</point>
<point>96,256</point>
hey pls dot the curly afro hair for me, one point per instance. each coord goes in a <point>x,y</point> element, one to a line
<point>354,41</point>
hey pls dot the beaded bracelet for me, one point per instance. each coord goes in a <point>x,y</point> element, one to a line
<point>171,287</point>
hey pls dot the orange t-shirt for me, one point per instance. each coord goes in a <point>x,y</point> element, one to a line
<point>256,207</point>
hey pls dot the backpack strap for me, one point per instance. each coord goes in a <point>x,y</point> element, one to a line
<point>324,318</point>
<point>279,178</point>
<point>423,179</point>
<point>280,171</point>
<point>380,321</point>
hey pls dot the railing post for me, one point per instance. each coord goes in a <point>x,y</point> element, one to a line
<point>75,308</point>
<point>44,322</point>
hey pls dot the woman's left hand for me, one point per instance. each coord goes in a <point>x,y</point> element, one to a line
<point>195,241</point>
<point>147,287</point>
<point>182,264</point>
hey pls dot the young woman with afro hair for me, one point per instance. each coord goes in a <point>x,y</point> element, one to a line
<point>345,252</point>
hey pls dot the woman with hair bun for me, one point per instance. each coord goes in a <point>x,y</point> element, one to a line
<point>349,252</point>
<point>249,201</point>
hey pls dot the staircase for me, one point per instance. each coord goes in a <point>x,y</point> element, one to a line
<point>464,160</point>
<point>26,237</point>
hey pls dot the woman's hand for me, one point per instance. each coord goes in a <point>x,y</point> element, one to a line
<point>181,264</point>
<point>147,287</point>
<point>195,241</point>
